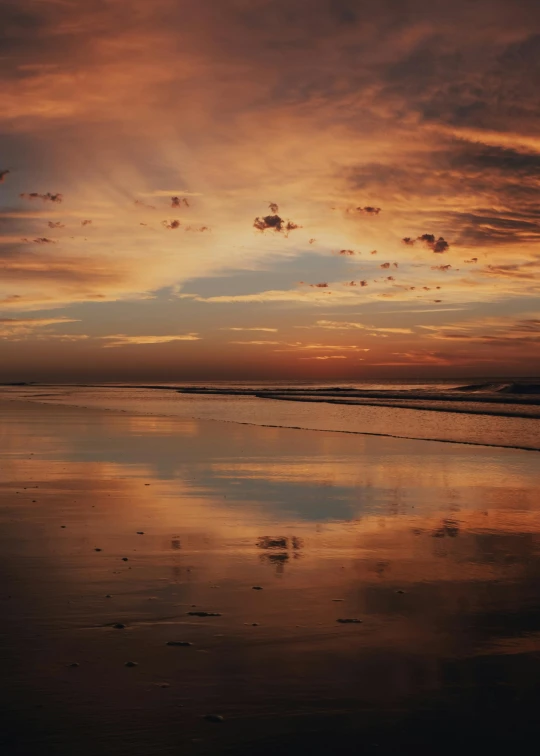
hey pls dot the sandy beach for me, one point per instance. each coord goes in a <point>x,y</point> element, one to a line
<point>118,529</point>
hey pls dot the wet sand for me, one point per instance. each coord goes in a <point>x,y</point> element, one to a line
<point>434,548</point>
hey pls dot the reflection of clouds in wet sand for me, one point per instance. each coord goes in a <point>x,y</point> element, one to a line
<point>439,560</point>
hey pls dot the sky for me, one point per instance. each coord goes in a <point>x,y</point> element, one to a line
<point>246,189</point>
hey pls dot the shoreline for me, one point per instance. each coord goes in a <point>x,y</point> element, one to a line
<point>28,401</point>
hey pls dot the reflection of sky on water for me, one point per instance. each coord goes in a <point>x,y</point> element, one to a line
<point>310,476</point>
<point>435,547</point>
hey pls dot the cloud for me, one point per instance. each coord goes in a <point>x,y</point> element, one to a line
<point>44,240</point>
<point>436,245</point>
<point>274,209</point>
<point>86,222</point>
<point>172,225</point>
<point>48,197</point>
<point>299,346</point>
<point>430,241</point>
<point>339,325</point>
<point>368,210</point>
<point>55,224</point>
<point>122,339</point>
<point>346,252</point>
<point>491,331</point>
<point>319,285</point>
<point>254,328</point>
<point>274,222</point>
<point>418,357</point>
<point>326,357</point>
<point>256,343</point>
<point>178,202</point>
<point>443,268</point>
<point>385,265</point>
<point>434,116</point>
<point>21,329</point>
<point>525,271</point>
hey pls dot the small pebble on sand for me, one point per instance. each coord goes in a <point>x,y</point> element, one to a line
<point>349,621</point>
<point>119,626</point>
<point>97,549</point>
<point>257,588</point>
<point>73,664</point>
<point>204,614</point>
<point>140,532</point>
<point>179,643</point>
<point>213,718</point>
<point>124,559</point>
<point>131,664</point>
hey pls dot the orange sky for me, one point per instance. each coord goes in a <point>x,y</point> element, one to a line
<point>365,123</point>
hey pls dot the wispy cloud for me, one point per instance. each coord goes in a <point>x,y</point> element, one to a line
<point>122,339</point>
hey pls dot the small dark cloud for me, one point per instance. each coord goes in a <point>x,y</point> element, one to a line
<point>179,201</point>
<point>274,222</point>
<point>312,241</point>
<point>436,245</point>
<point>346,252</point>
<point>3,175</point>
<point>55,224</point>
<point>268,221</point>
<point>43,240</point>
<point>350,283</point>
<point>172,225</point>
<point>441,267</point>
<point>319,286</point>
<point>367,210</point>
<point>385,265</point>
<point>48,197</point>
<point>198,229</point>
<point>363,283</point>
<point>86,222</point>
<point>430,241</point>
<point>472,260</point>
<point>274,209</point>
<point>390,278</point>
<point>373,252</point>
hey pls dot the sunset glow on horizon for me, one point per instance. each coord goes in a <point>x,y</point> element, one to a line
<point>310,189</point>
